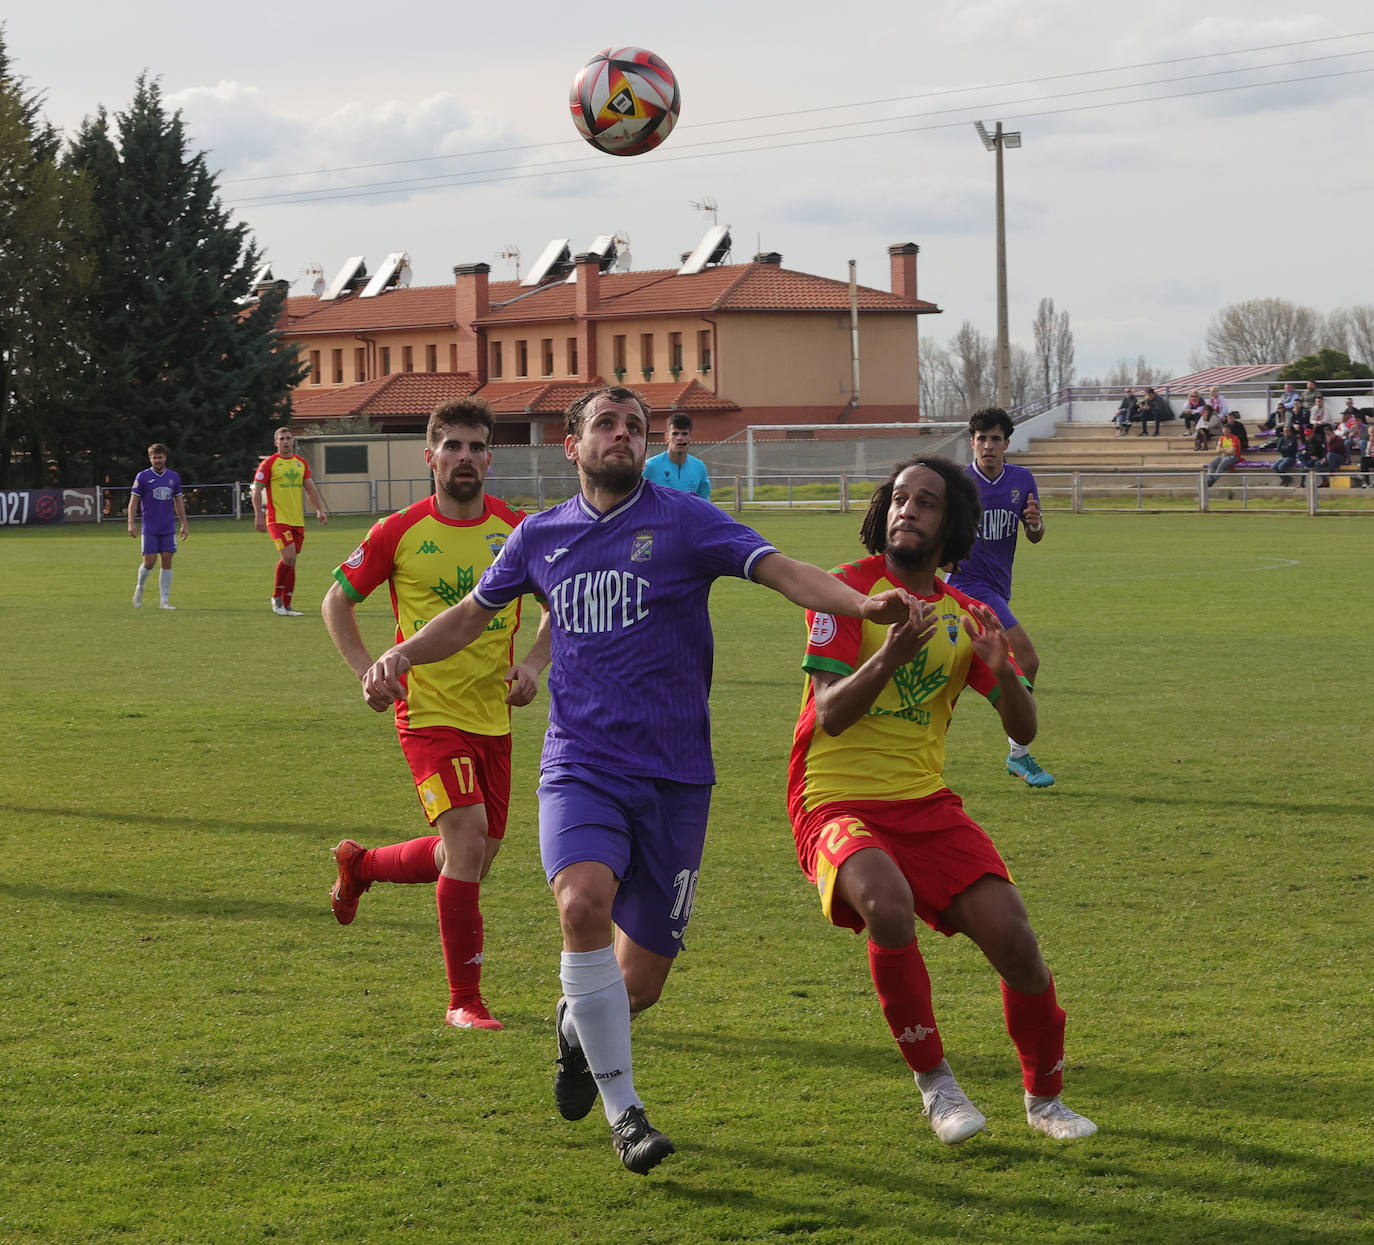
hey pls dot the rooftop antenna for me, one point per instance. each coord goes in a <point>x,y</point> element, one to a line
<point>317,272</point>
<point>511,252</point>
<point>623,258</point>
<point>705,204</point>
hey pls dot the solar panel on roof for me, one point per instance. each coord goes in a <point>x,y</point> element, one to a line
<point>551,257</point>
<point>387,274</point>
<point>713,248</point>
<point>353,271</point>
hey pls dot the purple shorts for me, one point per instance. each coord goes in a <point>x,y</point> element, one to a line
<point>981,592</point>
<point>648,831</point>
<point>159,542</point>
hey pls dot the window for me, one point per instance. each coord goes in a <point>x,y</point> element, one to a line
<point>384,360</point>
<point>314,367</point>
<point>496,360</point>
<point>704,350</point>
<point>453,356</point>
<point>546,356</point>
<point>522,358</point>
<point>431,358</point>
<point>345,460</point>
<point>407,358</point>
<point>646,353</point>
<point>360,363</point>
<point>675,353</point>
<point>618,354</point>
<point>572,356</point>
<point>337,360</point>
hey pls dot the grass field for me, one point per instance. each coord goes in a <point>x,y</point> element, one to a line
<point>192,1050</point>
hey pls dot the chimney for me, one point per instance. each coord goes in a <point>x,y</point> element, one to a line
<point>471,301</point>
<point>588,266</point>
<point>769,257</point>
<point>903,256</point>
<point>267,287</point>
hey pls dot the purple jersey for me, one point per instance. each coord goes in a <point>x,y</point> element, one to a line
<point>155,493</point>
<point>632,644</point>
<point>988,564</point>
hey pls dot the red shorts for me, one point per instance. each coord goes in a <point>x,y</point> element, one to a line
<point>454,769</point>
<point>939,848</point>
<point>282,535</point>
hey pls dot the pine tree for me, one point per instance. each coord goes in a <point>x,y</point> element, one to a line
<point>43,278</point>
<point>178,353</point>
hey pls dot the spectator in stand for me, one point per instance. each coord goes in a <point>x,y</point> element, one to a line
<point>1287,406</point>
<point>1152,406</point>
<point>1312,454</point>
<point>1217,401</point>
<point>1355,431</point>
<point>1350,409</point>
<point>1125,413</point>
<point>1310,395</point>
<point>1337,456</point>
<point>1229,445</point>
<point>1366,461</point>
<point>1288,445</point>
<point>1208,426</point>
<point>1192,409</point>
<point>1234,423</point>
<point>1316,414</point>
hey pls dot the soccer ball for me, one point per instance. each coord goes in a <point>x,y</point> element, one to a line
<point>624,101</point>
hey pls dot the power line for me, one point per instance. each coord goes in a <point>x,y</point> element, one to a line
<point>486,176</point>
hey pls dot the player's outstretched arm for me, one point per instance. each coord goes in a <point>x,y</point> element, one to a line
<point>523,677</point>
<point>341,621</point>
<point>317,501</point>
<point>815,589</point>
<point>841,700</point>
<point>259,514</point>
<point>1033,519</point>
<point>133,512</point>
<point>447,633</point>
<point>1015,704</point>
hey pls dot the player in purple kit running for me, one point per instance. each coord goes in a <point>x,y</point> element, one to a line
<point>158,489</point>
<point>626,567</point>
<point>1009,502</point>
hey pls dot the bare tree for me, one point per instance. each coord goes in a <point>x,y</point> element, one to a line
<point>1351,330</point>
<point>1053,346</point>
<point>1136,374</point>
<point>1022,374</point>
<point>1260,330</point>
<point>973,364</point>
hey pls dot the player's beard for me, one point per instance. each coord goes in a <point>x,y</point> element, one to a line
<point>922,556</point>
<point>462,488</point>
<point>618,476</point>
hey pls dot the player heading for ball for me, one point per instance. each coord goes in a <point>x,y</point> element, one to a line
<point>878,832</point>
<point>626,567</point>
<point>454,719</point>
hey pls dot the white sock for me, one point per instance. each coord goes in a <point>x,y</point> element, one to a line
<point>143,573</point>
<point>599,1014</point>
<point>165,584</point>
<point>1017,750</point>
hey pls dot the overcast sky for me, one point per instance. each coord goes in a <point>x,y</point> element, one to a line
<point>1157,182</point>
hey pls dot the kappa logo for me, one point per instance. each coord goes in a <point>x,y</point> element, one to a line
<point>1059,1067</point>
<point>553,557</point>
<point>643,547</point>
<point>823,630</point>
<point>429,547</point>
<point>915,1033</point>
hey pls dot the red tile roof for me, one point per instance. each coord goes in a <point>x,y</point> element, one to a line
<point>406,393</point>
<point>1228,375</point>
<point>510,397</point>
<point>731,287</point>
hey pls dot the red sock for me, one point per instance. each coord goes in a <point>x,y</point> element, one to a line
<point>288,584</point>
<point>278,579</point>
<point>412,861</point>
<point>903,986</point>
<point>460,930</point>
<point>1036,1025</point>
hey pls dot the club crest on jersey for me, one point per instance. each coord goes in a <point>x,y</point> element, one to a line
<point>355,559</point>
<point>496,541</point>
<point>643,547</point>
<point>951,622</point>
<point>823,629</point>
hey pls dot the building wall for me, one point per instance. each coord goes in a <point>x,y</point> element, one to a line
<point>440,338</point>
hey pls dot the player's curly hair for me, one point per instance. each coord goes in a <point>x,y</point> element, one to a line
<point>576,414</point>
<point>990,417</point>
<point>963,509</point>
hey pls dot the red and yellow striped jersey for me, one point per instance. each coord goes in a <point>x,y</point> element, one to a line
<point>431,563</point>
<point>284,486</point>
<point>896,751</point>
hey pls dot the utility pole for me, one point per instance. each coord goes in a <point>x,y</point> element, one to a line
<point>995,142</point>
